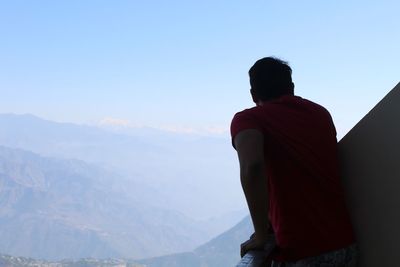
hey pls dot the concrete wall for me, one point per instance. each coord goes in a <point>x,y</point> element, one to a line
<point>370,158</point>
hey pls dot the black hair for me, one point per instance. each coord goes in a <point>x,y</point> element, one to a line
<point>270,78</point>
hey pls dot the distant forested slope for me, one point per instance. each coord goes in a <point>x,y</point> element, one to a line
<point>54,209</point>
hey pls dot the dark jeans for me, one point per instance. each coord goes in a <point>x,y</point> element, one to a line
<point>345,257</point>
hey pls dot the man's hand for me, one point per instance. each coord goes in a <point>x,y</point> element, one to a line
<point>255,243</point>
<point>251,244</point>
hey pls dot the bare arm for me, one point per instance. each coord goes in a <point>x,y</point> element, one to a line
<point>250,148</point>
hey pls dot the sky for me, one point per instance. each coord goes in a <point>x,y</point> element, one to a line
<point>182,65</point>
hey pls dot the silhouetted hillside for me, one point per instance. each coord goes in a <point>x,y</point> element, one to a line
<point>224,250</point>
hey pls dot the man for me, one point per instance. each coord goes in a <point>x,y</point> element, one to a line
<point>287,151</point>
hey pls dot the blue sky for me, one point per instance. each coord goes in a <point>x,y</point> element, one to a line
<point>183,64</point>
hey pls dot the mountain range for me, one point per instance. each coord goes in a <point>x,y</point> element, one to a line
<point>180,168</point>
<point>56,208</point>
<point>74,191</point>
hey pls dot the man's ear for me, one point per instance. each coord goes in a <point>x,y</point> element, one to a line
<point>292,88</point>
<point>254,95</point>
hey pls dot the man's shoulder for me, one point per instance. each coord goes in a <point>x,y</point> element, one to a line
<point>308,104</point>
<point>247,111</point>
<point>244,114</point>
<point>246,119</point>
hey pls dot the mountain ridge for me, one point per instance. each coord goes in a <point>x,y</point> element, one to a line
<point>47,202</point>
<point>168,163</point>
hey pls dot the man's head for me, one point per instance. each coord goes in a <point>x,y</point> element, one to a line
<point>270,78</point>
